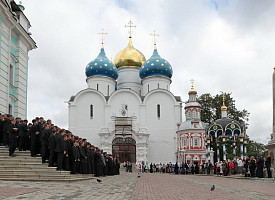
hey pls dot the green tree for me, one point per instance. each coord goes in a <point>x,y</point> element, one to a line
<point>255,149</point>
<point>211,108</point>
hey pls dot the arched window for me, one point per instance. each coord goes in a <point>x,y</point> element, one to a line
<point>96,86</point>
<point>108,90</point>
<point>148,88</point>
<point>158,111</point>
<point>10,109</point>
<point>195,142</point>
<point>11,75</point>
<point>91,111</point>
<point>158,85</point>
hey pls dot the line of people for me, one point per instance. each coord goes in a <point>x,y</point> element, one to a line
<point>57,147</point>
<point>250,167</point>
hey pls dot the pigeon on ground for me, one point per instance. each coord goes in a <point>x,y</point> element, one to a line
<point>98,180</point>
<point>138,176</point>
<point>213,188</point>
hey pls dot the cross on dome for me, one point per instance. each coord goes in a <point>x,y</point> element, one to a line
<point>130,26</point>
<point>192,84</point>
<point>154,36</point>
<point>102,36</point>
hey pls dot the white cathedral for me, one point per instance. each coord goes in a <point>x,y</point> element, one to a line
<point>128,109</point>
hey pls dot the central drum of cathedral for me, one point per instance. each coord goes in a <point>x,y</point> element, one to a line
<point>127,109</point>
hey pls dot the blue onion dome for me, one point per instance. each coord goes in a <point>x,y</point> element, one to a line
<point>155,66</point>
<point>101,66</point>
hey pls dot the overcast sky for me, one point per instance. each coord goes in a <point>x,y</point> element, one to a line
<point>224,45</point>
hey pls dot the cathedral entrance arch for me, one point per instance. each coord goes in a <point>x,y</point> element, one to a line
<point>124,149</point>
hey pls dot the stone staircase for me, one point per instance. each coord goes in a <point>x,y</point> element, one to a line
<point>23,167</point>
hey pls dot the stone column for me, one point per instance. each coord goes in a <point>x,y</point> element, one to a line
<point>218,150</point>
<point>241,146</point>
<point>224,147</point>
<point>245,147</point>
<point>234,149</point>
<point>208,148</point>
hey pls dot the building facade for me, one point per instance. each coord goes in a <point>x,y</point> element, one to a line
<point>15,43</point>
<point>191,133</point>
<point>271,143</point>
<point>128,109</point>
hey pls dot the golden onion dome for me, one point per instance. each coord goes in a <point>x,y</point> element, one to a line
<point>129,57</point>
<point>223,103</point>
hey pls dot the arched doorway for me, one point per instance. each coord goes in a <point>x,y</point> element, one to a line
<point>124,149</point>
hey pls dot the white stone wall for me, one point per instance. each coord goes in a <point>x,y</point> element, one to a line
<point>155,138</point>
<point>153,83</point>
<point>162,140</point>
<point>15,44</point>
<point>103,84</point>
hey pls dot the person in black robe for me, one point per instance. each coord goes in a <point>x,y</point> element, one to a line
<point>83,159</point>
<point>60,148</point>
<point>18,124</point>
<point>252,167</point>
<point>268,166</point>
<point>76,157</point>
<point>66,161</point>
<point>92,159</point>
<point>88,152</point>
<point>23,133</point>
<point>151,168</point>
<point>176,168</point>
<point>6,126</point>
<point>13,135</point>
<point>117,163</point>
<point>35,138</point>
<point>99,163</point>
<point>51,147</point>
<point>260,167</point>
<point>45,134</point>
<point>197,169</point>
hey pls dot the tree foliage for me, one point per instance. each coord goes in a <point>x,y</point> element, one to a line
<point>211,108</point>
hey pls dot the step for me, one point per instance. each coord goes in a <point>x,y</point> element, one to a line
<point>30,171</point>
<point>22,167</point>
<point>18,160</point>
<point>47,180</point>
<point>19,157</point>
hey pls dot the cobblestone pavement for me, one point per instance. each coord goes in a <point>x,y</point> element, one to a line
<point>149,186</point>
<point>165,186</point>
<point>112,188</point>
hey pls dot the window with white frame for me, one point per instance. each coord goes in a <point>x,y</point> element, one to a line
<point>11,75</point>
<point>195,142</point>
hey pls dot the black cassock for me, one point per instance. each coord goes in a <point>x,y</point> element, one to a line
<point>76,158</point>
<point>92,160</point>
<point>89,165</point>
<point>13,134</point>
<point>83,161</point>
<point>98,165</point>
<point>35,140</point>
<point>66,160</point>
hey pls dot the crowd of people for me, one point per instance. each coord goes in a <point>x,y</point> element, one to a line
<point>176,168</point>
<point>58,147</point>
<point>250,167</point>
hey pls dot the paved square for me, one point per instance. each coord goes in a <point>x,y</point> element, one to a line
<point>148,186</point>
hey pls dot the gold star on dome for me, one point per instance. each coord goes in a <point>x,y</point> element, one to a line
<point>95,64</point>
<point>105,65</point>
<point>162,64</point>
<point>152,64</point>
